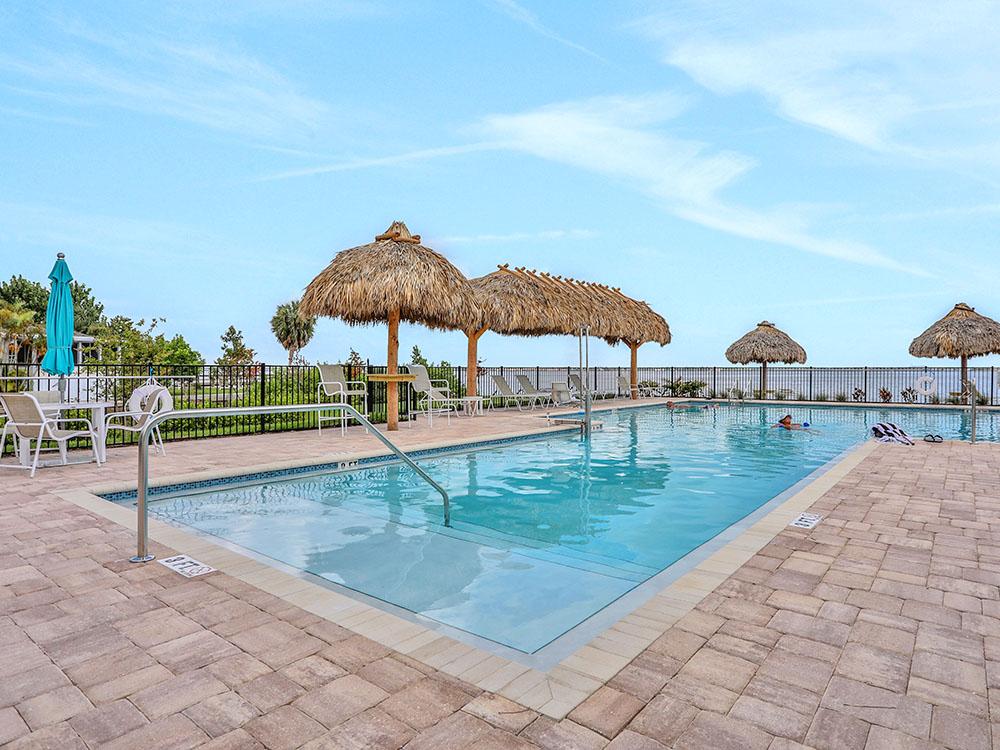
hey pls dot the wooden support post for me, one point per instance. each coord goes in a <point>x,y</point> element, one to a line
<point>392,367</point>
<point>763,380</point>
<point>634,347</point>
<point>472,363</point>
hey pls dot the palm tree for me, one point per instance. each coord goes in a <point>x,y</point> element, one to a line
<point>292,330</point>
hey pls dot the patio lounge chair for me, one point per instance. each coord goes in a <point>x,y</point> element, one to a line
<point>334,387</point>
<point>645,391</point>
<point>145,401</point>
<point>433,395</point>
<point>561,395</point>
<point>507,395</point>
<point>528,389</point>
<point>26,422</point>
<point>576,385</point>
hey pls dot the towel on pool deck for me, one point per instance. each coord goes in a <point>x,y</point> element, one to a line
<point>887,432</point>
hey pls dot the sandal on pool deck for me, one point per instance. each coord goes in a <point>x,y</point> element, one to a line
<point>928,438</point>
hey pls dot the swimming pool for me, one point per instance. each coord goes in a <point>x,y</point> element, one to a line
<point>546,532</point>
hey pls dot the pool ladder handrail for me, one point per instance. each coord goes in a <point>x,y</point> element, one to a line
<point>142,488</point>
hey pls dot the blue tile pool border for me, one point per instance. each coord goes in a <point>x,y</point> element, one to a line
<point>346,465</point>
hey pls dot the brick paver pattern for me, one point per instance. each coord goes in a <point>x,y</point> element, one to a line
<point>880,628</point>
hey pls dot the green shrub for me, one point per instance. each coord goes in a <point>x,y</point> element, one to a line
<point>821,397</point>
<point>841,397</point>
<point>688,388</point>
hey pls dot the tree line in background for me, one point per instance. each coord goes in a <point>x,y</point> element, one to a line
<point>120,339</point>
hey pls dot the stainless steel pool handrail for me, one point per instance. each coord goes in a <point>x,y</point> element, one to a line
<point>142,488</point>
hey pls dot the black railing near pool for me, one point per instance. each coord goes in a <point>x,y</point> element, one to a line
<point>228,386</point>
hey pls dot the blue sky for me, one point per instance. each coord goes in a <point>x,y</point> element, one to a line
<point>830,167</point>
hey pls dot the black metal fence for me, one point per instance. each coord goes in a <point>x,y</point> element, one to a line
<point>193,387</point>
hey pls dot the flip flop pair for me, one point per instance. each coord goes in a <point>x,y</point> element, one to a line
<point>928,438</point>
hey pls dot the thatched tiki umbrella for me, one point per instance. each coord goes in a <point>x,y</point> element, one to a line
<point>962,333</point>
<point>524,302</point>
<point>765,343</point>
<point>642,325</point>
<point>512,303</point>
<point>391,279</point>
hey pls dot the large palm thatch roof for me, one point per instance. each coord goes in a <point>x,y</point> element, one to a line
<point>513,304</point>
<point>365,284</point>
<point>961,333</point>
<point>531,303</point>
<point>766,343</point>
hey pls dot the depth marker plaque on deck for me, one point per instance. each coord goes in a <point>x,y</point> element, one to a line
<point>186,566</point>
<point>806,520</point>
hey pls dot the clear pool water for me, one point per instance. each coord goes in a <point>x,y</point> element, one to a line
<point>546,532</point>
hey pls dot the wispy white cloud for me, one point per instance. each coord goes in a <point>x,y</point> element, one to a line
<point>916,79</point>
<point>43,228</point>
<point>813,303</point>
<point>28,114</point>
<point>546,234</point>
<point>222,89</point>
<point>268,11</point>
<point>945,212</point>
<point>348,165</point>
<point>527,17</point>
<point>619,137</point>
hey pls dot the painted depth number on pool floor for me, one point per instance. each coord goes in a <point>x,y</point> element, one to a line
<point>806,520</point>
<point>186,566</point>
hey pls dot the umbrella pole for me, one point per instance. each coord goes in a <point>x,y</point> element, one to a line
<point>392,407</point>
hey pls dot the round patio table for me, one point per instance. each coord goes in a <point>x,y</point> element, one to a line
<point>399,377</point>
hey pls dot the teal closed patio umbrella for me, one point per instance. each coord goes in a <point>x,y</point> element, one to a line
<point>58,358</point>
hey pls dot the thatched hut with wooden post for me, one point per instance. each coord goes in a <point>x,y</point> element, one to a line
<point>511,303</point>
<point>524,302</point>
<point>961,334</point>
<point>765,343</point>
<point>391,279</point>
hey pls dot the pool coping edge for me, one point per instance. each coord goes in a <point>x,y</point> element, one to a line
<point>555,691</point>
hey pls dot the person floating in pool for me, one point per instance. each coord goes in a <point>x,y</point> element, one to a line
<point>786,423</point>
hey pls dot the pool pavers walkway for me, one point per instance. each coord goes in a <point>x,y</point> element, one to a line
<point>879,628</point>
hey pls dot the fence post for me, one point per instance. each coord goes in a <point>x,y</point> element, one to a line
<point>263,392</point>
<point>715,382</point>
<point>810,383</point>
<point>537,385</point>
<point>864,386</point>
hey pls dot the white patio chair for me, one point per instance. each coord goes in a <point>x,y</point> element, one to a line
<point>645,391</point>
<point>145,401</point>
<point>334,387</point>
<point>575,384</point>
<point>433,395</point>
<point>561,395</point>
<point>528,389</point>
<point>507,395</point>
<point>26,422</point>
